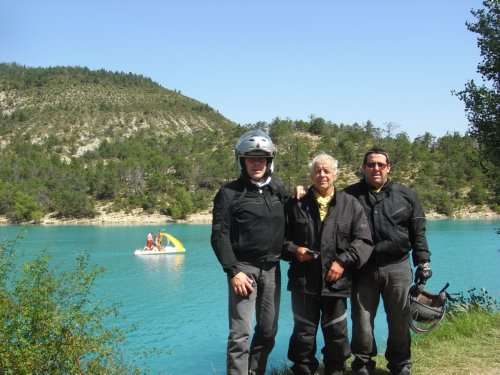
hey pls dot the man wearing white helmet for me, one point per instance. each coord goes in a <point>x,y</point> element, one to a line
<point>248,230</point>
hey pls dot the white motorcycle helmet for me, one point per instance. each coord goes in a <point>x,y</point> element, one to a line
<point>255,143</point>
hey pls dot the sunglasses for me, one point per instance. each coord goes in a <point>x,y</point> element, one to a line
<point>372,165</point>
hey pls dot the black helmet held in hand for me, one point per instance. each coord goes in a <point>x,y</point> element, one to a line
<point>425,309</point>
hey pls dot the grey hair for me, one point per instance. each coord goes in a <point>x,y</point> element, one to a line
<point>322,156</point>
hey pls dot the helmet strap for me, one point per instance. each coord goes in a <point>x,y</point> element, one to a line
<point>268,167</point>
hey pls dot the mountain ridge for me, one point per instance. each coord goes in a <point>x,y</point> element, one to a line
<point>79,106</point>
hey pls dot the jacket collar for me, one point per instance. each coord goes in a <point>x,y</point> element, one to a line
<point>311,198</point>
<point>386,187</point>
<point>245,181</point>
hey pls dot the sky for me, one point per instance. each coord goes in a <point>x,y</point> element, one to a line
<point>346,61</point>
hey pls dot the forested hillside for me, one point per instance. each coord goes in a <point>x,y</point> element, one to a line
<point>72,139</point>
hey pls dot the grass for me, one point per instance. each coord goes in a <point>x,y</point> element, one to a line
<point>466,343</point>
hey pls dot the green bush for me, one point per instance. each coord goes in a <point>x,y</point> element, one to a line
<point>26,208</point>
<point>49,323</point>
<point>73,204</point>
<point>182,205</point>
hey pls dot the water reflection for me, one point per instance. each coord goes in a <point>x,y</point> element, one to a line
<point>163,262</point>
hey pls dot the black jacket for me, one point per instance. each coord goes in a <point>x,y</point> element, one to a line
<point>248,226</point>
<point>397,222</point>
<point>344,236</point>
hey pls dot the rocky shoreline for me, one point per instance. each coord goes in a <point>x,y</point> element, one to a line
<point>136,217</point>
<point>469,213</point>
<point>139,217</point>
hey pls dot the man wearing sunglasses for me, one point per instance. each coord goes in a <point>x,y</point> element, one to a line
<point>397,223</point>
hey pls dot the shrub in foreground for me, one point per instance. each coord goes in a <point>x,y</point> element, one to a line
<point>49,323</point>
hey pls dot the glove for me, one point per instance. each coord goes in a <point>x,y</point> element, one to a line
<point>423,273</point>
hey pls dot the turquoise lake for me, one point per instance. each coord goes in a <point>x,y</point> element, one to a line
<point>179,302</point>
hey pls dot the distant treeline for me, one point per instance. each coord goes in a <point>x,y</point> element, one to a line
<point>178,172</point>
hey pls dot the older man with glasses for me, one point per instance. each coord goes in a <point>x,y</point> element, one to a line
<point>397,225</point>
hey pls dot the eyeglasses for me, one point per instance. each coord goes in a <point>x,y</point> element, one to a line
<point>372,165</point>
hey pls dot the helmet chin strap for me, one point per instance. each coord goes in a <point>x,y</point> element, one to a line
<point>244,172</point>
<point>268,171</point>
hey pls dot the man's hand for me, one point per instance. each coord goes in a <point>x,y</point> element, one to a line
<point>423,273</point>
<point>303,254</point>
<point>242,284</point>
<point>335,272</point>
<point>299,192</point>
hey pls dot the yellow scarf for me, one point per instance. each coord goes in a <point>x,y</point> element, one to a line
<point>323,203</point>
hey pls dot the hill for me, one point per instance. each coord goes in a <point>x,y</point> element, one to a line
<point>82,108</point>
<point>75,141</point>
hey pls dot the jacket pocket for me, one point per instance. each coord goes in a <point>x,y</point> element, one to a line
<point>343,237</point>
<point>401,214</point>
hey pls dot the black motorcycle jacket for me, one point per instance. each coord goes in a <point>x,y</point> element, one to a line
<point>397,222</point>
<point>248,223</point>
<point>343,236</point>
